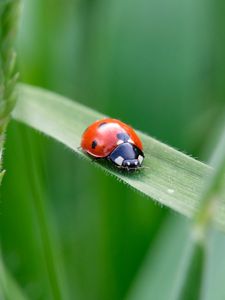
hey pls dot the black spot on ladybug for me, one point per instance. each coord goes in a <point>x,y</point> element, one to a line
<point>123,136</point>
<point>94,144</point>
<point>102,124</point>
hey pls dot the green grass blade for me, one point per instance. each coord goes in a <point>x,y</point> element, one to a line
<point>187,283</point>
<point>214,273</point>
<point>43,215</point>
<point>214,189</point>
<point>190,276</point>
<point>170,177</point>
<point>9,290</point>
<point>9,12</point>
<point>159,271</point>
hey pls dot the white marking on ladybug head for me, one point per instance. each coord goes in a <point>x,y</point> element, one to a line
<point>136,163</point>
<point>140,159</point>
<point>128,163</point>
<point>119,160</point>
<point>131,141</point>
<point>119,142</point>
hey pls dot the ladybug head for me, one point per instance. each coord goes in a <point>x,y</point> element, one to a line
<point>127,156</point>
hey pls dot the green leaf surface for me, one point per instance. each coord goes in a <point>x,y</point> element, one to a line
<point>169,176</point>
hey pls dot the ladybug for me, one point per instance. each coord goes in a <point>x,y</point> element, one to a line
<point>115,141</point>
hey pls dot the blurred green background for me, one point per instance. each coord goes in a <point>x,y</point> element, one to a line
<point>155,64</point>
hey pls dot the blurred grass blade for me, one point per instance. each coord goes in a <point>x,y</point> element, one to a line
<point>159,271</point>
<point>213,286</point>
<point>214,189</point>
<point>190,272</point>
<point>170,177</point>
<point>8,287</point>
<point>45,224</point>
<point>187,283</point>
<point>9,12</point>
<point>214,274</point>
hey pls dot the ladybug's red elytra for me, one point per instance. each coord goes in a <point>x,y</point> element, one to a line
<point>115,141</point>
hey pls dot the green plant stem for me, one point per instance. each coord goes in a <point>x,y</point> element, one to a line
<point>212,193</point>
<point>9,11</point>
<point>187,284</point>
<point>190,273</point>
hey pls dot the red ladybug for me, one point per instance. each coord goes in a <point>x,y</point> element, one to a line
<point>113,140</point>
